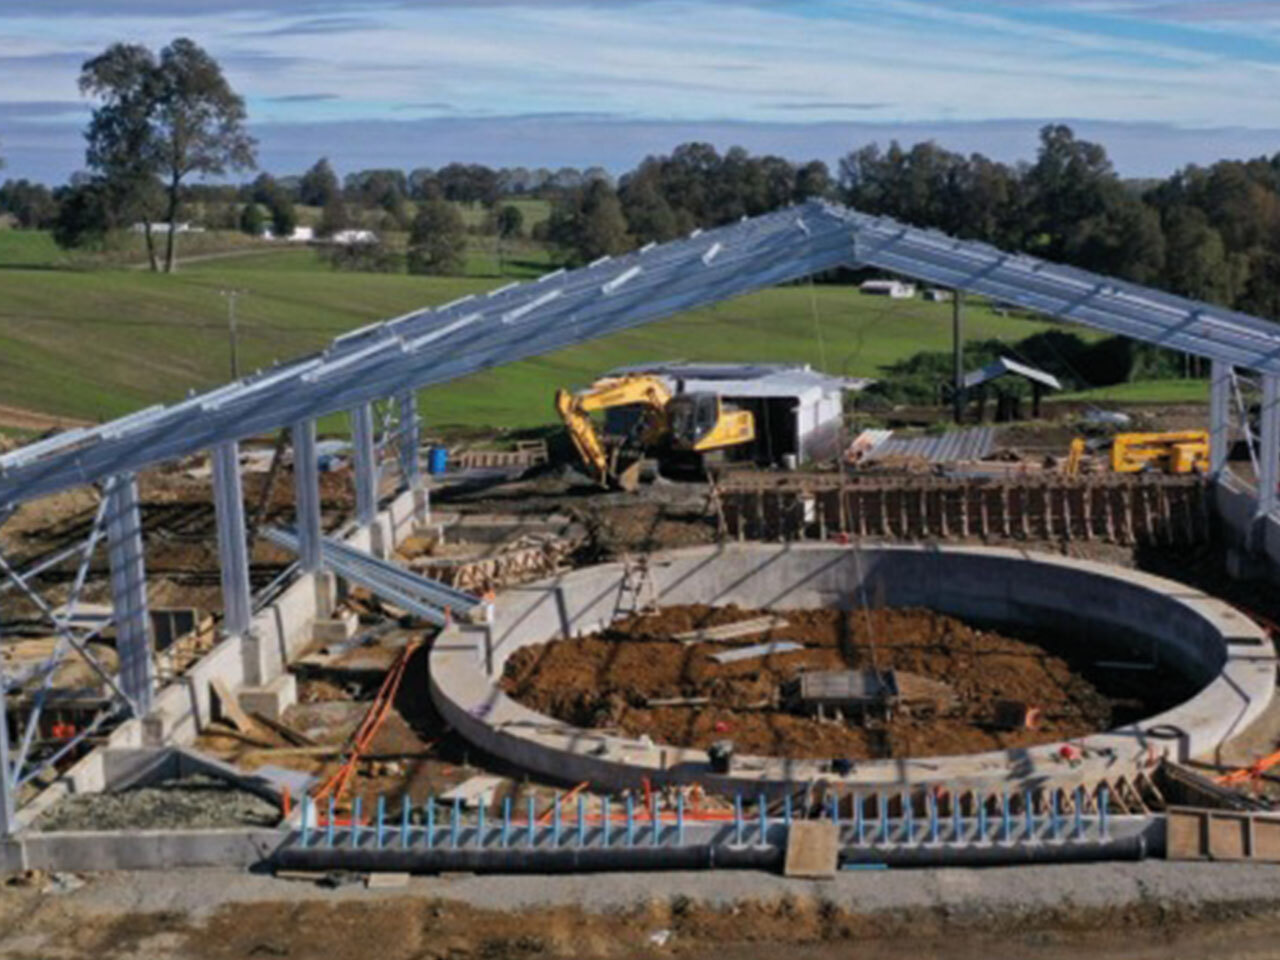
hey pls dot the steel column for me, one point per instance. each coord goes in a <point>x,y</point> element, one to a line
<point>306,488</point>
<point>957,336</point>
<point>233,554</point>
<point>8,776</point>
<point>410,439</point>
<point>1219,416</point>
<point>129,591</point>
<point>364,464</point>
<point>1269,446</point>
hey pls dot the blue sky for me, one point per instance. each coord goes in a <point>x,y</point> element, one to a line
<point>551,82</point>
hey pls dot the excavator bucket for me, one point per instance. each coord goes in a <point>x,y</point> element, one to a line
<point>628,478</point>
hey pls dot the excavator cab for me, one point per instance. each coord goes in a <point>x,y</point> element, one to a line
<point>691,418</point>
<point>704,423</point>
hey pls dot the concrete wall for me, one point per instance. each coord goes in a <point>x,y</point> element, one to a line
<point>1255,543</point>
<point>1203,638</point>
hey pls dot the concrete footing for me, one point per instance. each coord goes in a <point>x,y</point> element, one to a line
<point>335,629</point>
<point>273,699</point>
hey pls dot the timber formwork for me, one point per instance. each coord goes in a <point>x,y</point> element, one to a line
<point>1168,511</point>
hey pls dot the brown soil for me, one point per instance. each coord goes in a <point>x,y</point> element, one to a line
<point>401,926</point>
<point>605,682</point>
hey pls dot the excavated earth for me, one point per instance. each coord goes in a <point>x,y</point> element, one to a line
<point>606,682</point>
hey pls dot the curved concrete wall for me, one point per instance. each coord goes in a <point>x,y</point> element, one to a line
<point>1203,638</point>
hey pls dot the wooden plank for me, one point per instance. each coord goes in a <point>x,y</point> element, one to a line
<point>231,710</point>
<point>1228,837</point>
<point>732,631</point>
<point>813,850</point>
<point>295,737</point>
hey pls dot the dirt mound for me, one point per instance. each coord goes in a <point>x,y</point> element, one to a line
<point>609,681</point>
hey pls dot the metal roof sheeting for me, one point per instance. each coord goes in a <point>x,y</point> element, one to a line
<point>955,445</point>
<point>1005,366</point>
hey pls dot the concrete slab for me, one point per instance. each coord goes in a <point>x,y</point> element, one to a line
<point>813,850</point>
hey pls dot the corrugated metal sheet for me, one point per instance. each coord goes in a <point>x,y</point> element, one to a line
<point>1005,366</point>
<point>973,444</point>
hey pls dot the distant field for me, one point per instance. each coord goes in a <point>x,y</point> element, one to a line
<point>1146,391</point>
<point>97,344</point>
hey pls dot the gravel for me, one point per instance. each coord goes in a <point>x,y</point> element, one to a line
<point>195,802</point>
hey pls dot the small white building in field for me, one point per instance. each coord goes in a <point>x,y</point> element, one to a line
<point>349,238</point>
<point>180,227</point>
<point>894,289</point>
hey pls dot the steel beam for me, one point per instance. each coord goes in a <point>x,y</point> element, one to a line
<point>306,484</point>
<point>1269,446</point>
<point>364,464</point>
<point>233,553</point>
<point>129,591</point>
<point>1219,416</point>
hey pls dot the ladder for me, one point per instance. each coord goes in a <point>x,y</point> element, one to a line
<point>637,593</point>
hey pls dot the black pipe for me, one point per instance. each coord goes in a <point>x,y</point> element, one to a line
<point>703,857</point>
<point>516,860</point>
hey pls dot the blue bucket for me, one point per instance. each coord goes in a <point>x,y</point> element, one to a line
<point>437,460</point>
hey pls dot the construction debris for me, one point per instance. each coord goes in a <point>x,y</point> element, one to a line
<point>195,802</point>
<point>759,650</point>
<point>477,792</point>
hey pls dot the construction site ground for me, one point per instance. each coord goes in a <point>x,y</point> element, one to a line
<point>951,675</point>
<point>1113,911</point>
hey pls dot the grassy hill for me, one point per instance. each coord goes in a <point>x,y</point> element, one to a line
<point>99,343</point>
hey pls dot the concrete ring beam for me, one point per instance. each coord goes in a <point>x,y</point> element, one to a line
<point>1228,657</point>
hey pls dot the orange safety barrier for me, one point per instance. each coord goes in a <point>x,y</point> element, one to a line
<point>369,726</point>
<point>1249,774</point>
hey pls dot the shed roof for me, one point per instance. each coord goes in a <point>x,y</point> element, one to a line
<point>1005,366</point>
<point>747,379</point>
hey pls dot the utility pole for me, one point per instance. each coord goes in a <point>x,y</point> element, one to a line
<point>232,331</point>
<point>957,333</point>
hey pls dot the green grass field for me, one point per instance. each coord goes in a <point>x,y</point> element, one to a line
<point>97,344</point>
<point>1145,391</point>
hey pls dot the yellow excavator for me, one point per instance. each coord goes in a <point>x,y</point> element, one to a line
<point>680,429</point>
<point>1174,453</point>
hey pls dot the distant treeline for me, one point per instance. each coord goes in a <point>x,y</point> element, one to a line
<point>1209,233</point>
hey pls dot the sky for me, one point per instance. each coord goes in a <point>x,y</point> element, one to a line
<point>412,83</point>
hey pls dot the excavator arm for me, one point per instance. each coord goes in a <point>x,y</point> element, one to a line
<point>576,409</point>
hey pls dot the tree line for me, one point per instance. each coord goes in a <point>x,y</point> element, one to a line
<point>1207,233</point>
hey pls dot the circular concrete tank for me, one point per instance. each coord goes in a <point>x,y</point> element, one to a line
<point>1225,654</point>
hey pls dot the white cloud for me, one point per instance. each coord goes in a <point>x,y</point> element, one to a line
<point>686,61</point>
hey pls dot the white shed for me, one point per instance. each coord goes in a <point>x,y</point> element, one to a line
<point>798,410</point>
<point>894,289</point>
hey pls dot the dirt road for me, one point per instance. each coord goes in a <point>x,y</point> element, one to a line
<point>18,418</point>
<point>1100,912</point>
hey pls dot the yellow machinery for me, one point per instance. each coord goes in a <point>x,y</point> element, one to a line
<point>1186,452</point>
<point>1173,453</point>
<point>679,428</point>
